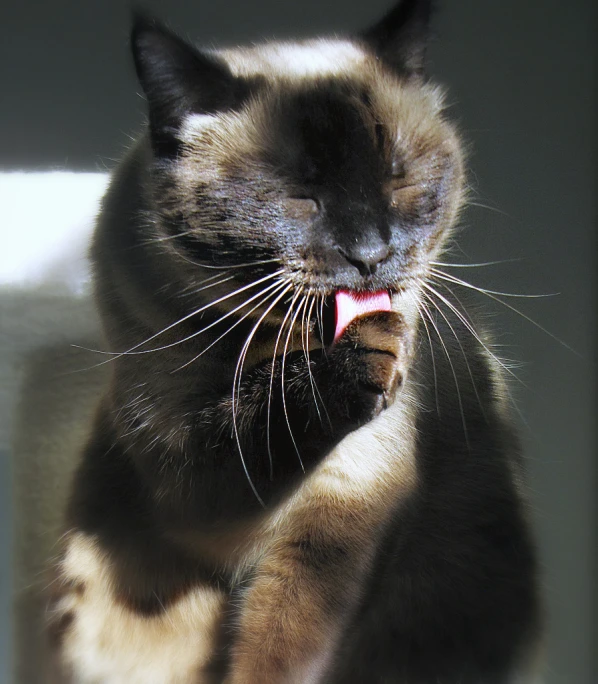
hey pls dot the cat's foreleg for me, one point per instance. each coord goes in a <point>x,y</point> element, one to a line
<point>324,536</point>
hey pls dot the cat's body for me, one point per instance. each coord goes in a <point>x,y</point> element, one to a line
<point>260,503</point>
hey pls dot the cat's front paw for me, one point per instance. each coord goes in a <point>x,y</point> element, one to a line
<point>370,362</point>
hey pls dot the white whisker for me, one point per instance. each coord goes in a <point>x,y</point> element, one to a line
<point>305,344</point>
<point>277,342</point>
<point>321,319</point>
<point>433,356</point>
<point>489,208</point>
<point>493,296</point>
<point>237,385</point>
<point>448,356</point>
<point>497,360</point>
<point>273,289</point>
<point>471,329</point>
<point>245,265</point>
<point>203,287</point>
<point>131,351</point>
<point>458,281</point>
<point>441,312</point>
<point>284,356</point>
<point>483,263</point>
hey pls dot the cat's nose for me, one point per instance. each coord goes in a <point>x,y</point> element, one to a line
<point>366,256</point>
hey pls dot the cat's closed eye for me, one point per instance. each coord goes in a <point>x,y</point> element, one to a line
<point>301,208</point>
<point>413,199</point>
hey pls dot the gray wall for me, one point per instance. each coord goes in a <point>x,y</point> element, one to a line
<point>522,79</point>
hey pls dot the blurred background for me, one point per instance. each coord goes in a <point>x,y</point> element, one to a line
<point>522,86</point>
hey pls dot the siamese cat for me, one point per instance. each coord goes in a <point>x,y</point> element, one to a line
<point>305,469</point>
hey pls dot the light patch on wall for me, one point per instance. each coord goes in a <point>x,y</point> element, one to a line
<point>47,220</point>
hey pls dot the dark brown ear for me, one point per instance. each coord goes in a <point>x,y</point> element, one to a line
<point>178,79</point>
<point>400,39</point>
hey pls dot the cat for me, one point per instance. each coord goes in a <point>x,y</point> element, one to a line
<point>305,468</point>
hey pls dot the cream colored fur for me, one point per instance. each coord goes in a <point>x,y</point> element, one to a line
<point>109,643</point>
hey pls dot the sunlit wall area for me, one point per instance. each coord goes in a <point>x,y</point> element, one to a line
<point>521,80</point>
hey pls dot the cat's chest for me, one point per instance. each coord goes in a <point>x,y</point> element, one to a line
<point>105,640</point>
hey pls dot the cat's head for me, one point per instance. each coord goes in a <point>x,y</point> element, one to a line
<point>327,161</point>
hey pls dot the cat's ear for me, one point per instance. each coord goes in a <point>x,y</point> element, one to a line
<point>178,79</point>
<point>401,37</point>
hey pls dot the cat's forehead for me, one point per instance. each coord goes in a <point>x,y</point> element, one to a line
<point>330,109</point>
<point>323,57</point>
<point>315,96</point>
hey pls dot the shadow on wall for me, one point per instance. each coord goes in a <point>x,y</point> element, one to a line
<point>55,395</point>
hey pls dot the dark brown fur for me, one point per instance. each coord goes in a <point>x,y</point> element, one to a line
<point>259,503</point>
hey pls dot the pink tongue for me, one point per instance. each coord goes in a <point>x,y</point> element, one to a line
<point>350,305</point>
